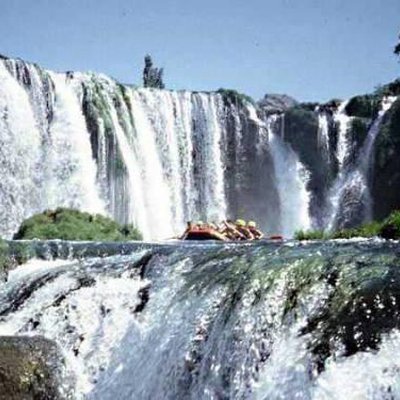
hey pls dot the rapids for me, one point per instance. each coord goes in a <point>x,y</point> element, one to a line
<point>288,320</point>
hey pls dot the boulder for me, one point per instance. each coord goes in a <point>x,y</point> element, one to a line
<point>274,103</point>
<point>30,369</point>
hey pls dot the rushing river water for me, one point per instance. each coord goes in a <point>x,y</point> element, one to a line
<point>285,320</point>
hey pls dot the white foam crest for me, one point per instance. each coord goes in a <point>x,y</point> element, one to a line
<point>88,323</point>
<point>365,375</point>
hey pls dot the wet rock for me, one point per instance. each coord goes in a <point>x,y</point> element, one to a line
<point>30,369</point>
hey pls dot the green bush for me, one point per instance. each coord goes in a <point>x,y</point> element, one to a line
<point>366,106</point>
<point>235,97</point>
<point>4,256</point>
<point>390,89</point>
<point>387,229</point>
<point>69,224</point>
<point>390,228</point>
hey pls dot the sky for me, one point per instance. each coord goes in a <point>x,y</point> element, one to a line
<point>313,50</point>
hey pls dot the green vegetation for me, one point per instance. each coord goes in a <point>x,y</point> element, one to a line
<point>366,106</point>
<point>389,228</point>
<point>4,256</point>
<point>69,224</point>
<point>390,89</point>
<point>12,255</point>
<point>397,48</point>
<point>235,97</point>
<point>152,76</point>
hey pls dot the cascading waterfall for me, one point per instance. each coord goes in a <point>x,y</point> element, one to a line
<point>291,179</point>
<point>350,200</point>
<point>343,122</point>
<point>44,165</point>
<point>153,158</point>
<point>323,134</point>
<point>159,158</point>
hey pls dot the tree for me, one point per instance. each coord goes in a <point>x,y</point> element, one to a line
<point>152,76</point>
<point>397,48</point>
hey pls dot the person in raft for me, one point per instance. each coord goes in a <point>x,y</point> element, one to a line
<point>252,226</point>
<point>243,229</point>
<point>228,229</point>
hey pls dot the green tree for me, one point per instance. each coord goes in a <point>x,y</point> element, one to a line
<point>397,48</point>
<point>152,76</point>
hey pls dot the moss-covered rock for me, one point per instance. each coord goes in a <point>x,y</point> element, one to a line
<point>30,369</point>
<point>361,307</point>
<point>69,224</point>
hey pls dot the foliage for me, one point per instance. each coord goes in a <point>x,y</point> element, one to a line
<point>390,89</point>
<point>4,256</point>
<point>389,228</point>
<point>365,106</point>
<point>152,76</point>
<point>397,48</point>
<point>235,97</point>
<point>70,224</point>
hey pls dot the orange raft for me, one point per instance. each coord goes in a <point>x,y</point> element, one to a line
<point>204,234</point>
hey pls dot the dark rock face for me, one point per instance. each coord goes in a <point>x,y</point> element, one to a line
<point>29,369</point>
<point>301,131</point>
<point>386,171</point>
<point>273,103</point>
<point>249,173</point>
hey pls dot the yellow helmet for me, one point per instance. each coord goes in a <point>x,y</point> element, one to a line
<point>251,224</point>
<point>240,222</point>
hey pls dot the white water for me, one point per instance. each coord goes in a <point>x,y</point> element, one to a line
<point>160,158</point>
<point>216,323</point>
<point>343,121</point>
<point>323,134</point>
<point>70,168</point>
<point>43,166</point>
<point>355,180</point>
<point>291,178</point>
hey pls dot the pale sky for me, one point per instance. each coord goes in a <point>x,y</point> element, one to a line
<point>309,49</point>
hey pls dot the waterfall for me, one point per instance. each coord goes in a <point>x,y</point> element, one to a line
<point>323,134</point>
<point>291,178</point>
<point>159,158</point>
<point>155,158</point>
<point>343,123</point>
<point>350,199</point>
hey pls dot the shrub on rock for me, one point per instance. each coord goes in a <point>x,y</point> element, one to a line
<point>70,224</point>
